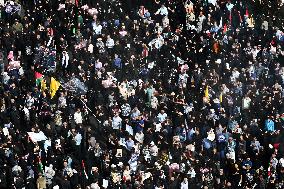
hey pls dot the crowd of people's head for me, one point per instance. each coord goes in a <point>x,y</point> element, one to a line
<point>141,94</point>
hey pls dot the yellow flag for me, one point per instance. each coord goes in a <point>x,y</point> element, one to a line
<point>43,85</point>
<point>54,86</point>
<point>221,97</point>
<point>206,93</point>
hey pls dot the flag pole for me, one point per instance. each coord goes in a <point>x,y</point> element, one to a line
<point>90,110</point>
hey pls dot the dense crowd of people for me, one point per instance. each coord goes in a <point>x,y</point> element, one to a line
<point>160,94</point>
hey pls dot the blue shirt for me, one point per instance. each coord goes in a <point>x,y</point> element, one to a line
<point>207,143</point>
<point>78,139</point>
<point>118,63</point>
<point>129,144</point>
<point>269,125</point>
<point>214,29</point>
<point>182,135</point>
<point>116,23</point>
<point>139,126</point>
<point>190,134</point>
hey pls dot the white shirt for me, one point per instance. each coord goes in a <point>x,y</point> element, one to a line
<point>27,113</point>
<point>154,102</point>
<point>159,29</point>
<point>139,137</point>
<point>97,29</point>
<point>154,150</point>
<point>265,25</point>
<point>135,114</point>
<point>129,129</point>
<point>29,102</point>
<point>158,42</point>
<point>162,117</point>
<point>254,53</point>
<point>213,2</point>
<point>47,144</point>
<point>192,173</point>
<point>2,2</point>
<point>78,118</point>
<point>62,101</point>
<point>163,11</point>
<point>235,75</point>
<point>166,22</point>
<point>95,186</point>
<point>158,127</point>
<point>78,139</point>
<point>246,103</point>
<point>91,48</point>
<point>123,33</point>
<point>183,77</point>
<point>116,122</point>
<point>279,34</point>
<point>98,65</point>
<point>110,43</point>
<point>184,185</point>
<point>229,6</point>
<point>201,19</point>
